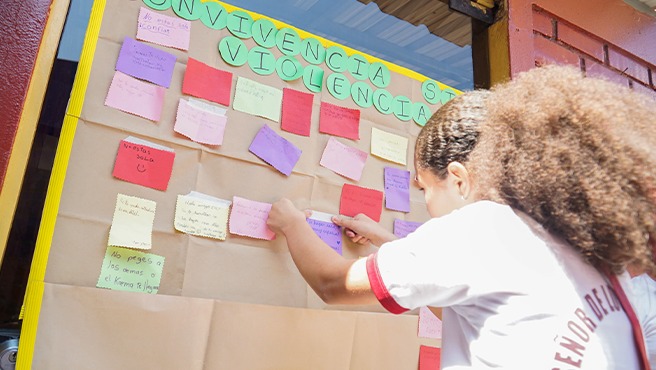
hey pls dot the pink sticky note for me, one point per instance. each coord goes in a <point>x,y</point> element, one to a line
<point>339,121</point>
<point>356,199</point>
<point>163,30</point>
<point>343,159</point>
<point>296,111</point>
<point>429,358</point>
<point>134,96</point>
<point>199,125</point>
<point>203,81</point>
<point>430,326</point>
<point>248,218</point>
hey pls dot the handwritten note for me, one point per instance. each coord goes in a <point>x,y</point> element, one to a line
<point>343,159</point>
<point>162,29</point>
<point>356,200</point>
<point>136,97</point>
<point>132,225</point>
<point>203,81</point>
<point>330,233</point>
<point>202,215</point>
<point>145,62</point>
<point>397,189</point>
<point>430,326</point>
<point>296,111</point>
<point>403,228</point>
<point>275,150</point>
<point>199,125</point>
<point>388,146</point>
<point>339,121</point>
<point>198,103</point>
<point>131,271</point>
<point>144,163</point>
<point>257,99</point>
<point>429,358</point>
<point>248,218</point>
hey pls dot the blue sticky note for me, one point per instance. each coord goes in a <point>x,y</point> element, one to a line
<point>145,62</point>
<point>330,233</point>
<point>403,228</point>
<point>397,189</point>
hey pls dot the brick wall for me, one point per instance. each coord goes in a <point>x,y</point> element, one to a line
<point>555,40</point>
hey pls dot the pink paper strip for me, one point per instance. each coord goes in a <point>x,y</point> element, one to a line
<point>343,159</point>
<point>134,96</point>
<point>430,326</point>
<point>248,218</point>
<point>163,30</point>
<point>199,125</point>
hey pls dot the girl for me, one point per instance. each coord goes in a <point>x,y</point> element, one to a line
<point>539,203</point>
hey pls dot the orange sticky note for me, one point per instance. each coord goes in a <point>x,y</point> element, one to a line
<point>296,111</point>
<point>429,358</point>
<point>144,163</point>
<point>356,199</point>
<point>339,121</point>
<point>203,81</point>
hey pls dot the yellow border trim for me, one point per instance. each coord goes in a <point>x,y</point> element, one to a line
<point>35,284</point>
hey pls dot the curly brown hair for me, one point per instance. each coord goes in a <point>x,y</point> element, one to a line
<point>577,154</point>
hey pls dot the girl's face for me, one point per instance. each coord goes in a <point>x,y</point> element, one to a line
<point>442,195</point>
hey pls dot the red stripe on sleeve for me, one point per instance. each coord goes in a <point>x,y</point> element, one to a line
<point>379,289</point>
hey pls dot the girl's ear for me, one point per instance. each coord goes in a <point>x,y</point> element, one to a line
<point>460,178</point>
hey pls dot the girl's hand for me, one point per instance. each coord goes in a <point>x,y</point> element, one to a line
<point>363,230</point>
<point>284,214</point>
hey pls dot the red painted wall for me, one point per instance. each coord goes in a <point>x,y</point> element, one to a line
<point>22,23</point>
<point>602,37</point>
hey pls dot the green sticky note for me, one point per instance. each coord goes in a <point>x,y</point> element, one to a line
<point>261,60</point>
<point>158,4</point>
<point>213,15</point>
<point>187,9</point>
<point>264,33</point>
<point>383,101</point>
<point>240,24</point>
<point>447,94</point>
<point>233,51</point>
<point>130,271</point>
<point>336,59</point>
<point>362,94</point>
<point>379,75</point>
<point>420,113</point>
<point>431,91</point>
<point>339,86</point>
<point>312,51</point>
<point>313,78</point>
<point>288,41</point>
<point>358,66</point>
<point>257,99</point>
<point>289,68</point>
<point>402,108</point>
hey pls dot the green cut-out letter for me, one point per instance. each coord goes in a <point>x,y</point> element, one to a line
<point>187,9</point>
<point>264,33</point>
<point>362,94</point>
<point>420,113</point>
<point>233,51</point>
<point>447,94</point>
<point>261,60</point>
<point>289,68</point>
<point>214,15</point>
<point>336,59</point>
<point>312,51</point>
<point>402,108</point>
<point>240,24</point>
<point>379,75</point>
<point>431,91</point>
<point>288,41</point>
<point>358,66</point>
<point>383,101</point>
<point>313,78</point>
<point>158,4</point>
<point>339,86</point>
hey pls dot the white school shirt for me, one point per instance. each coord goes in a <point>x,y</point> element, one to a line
<point>514,296</point>
<point>643,299</point>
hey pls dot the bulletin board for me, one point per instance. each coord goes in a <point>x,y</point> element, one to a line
<point>187,119</point>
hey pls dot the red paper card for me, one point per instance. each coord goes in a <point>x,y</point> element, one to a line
<point>356,200</point>
<point>203,81</point>
<point>296,111</point>
<point>339,121</point>
<point>139,163</point>
<point>429,358</point>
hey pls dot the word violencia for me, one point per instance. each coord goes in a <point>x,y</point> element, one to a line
<point>262,60</point>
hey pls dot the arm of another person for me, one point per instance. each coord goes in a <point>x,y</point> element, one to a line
<point>335,279</point>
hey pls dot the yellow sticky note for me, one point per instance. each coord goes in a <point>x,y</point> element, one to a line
<point>389,146</point>
<point>202,215</point>
<point>132,225</point>
<point>131,271</point>
<point>257,99</point>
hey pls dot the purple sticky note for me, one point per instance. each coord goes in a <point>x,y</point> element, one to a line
<point>330,233</point>
<point>275,150</point>
<point>145,62</point>
<point>403,228</point>
<point>397,189</point>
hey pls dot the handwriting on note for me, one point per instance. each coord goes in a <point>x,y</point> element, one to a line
<point>330,233</point>
<point>202,216</point>
<point>163,30</point>
<point>248,218</point>
<point>389,146</point>
<point>356,199</point>
<point>397,189</point>
<point>131,271</point>
<point>345,160</point>
<point>203,81</point>
<point>145,62</point>
<point>339,121</point>
<point>296,111</point>
<point>144,163</point>
<point>429,358</point>
<point>132,225</point>
<point>275,150</point>
<point>201,126</point>
<point>403,228</point>
<point>430,326</point>
<point>257,99</point>
<point>136,97</point>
